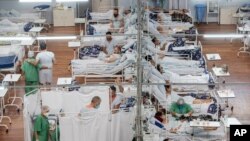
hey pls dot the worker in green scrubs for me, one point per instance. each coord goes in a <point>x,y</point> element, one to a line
<point>31,73</point>
<point>41,125</point>
<point>180,108</point>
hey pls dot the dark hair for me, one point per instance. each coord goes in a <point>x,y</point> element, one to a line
<point>158,116</point>
<point>108,33</point>
<point>116,9</point>
<point>148,58</point>
<point>163,110</point>
<point>154,39</point>
<point>43,46</point>
<point>158,67</point>
<point>113,88</point>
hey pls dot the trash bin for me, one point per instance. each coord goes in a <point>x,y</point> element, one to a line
<point>200,12</point>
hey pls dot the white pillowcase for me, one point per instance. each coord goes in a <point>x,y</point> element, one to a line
<point>15,13</point>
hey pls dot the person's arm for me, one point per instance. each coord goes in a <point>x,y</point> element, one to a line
<point>22,69</point>
<point>36,136</point>
<point>190,111</point>
<point>54,59</point>
<point>173,110</point>
<point>122,23</point>
<point>118,83</point>
<point>33,62</point>
<point>111,24</point>
<point>37,127</point>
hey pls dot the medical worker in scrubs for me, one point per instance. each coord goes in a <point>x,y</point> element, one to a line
<point>180,108</point>
<point>30,73</point>
<point>41,125</point>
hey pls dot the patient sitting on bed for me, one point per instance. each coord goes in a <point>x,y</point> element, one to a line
<point>113,57</point>
<point>91,108</point>
<point>117,22</point>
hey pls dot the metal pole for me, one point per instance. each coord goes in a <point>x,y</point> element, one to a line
<point>139,73</point>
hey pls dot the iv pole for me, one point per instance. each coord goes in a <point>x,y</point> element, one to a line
<point>138,125</point>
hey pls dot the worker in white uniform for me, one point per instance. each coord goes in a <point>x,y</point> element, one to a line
<point>109,44</point>
<point>45,58</point>
<point>117,22</point>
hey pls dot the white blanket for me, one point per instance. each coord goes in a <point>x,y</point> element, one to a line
<point>58,100</point>
<point>101,16</point>
<point>101,29</point>
<point>12,49</point>
<point>101,127</point>
<point>8,26</point>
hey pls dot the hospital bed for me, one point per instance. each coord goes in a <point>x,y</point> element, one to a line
<point>17,16</point>
<point>9,50</point>
<point>152,128</point>
<point>8,26</point>
<point>8,63</point>
<point>111,127</point>
<point>98,40</point>
<point>99,15</point>
<point>98,69</point>
<point>10,57</point>
<point>91,46</point>
<point>97,23</point>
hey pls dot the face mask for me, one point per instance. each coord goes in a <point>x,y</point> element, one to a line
<point>181,103</point>
<point>115,15</point>
<point>46,114</point>
<point>97,106</point>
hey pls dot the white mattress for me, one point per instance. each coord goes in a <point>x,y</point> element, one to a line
<point>101,16</point>
<point>8,26</point>
<point>24,17</point>
<point>101,28</point>
<point>12,49</point>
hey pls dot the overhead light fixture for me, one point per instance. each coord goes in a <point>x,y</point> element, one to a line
<point>72,0</point>
<point>35,0</point>
<point>57,38</point>
<point>15,38</point>
<point>223,35</point>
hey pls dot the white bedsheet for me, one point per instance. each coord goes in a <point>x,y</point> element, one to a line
<point>96,66</point>
<point>166,61</point>
<point>58,100</point>
<point>12,49</point>
<point>8,26</point>
<point>101,16</point>
<point>102,127</point>
<point>83,66</point>
<point>101,29</point>
<point>23,17</point>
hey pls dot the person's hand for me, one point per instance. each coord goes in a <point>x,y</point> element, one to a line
<point>186,115</point>
<point>178,115</point>
<point>118,81</point>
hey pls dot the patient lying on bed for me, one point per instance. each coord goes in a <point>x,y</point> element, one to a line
<point>113,57</point>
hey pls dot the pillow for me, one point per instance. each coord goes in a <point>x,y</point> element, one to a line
<point>6,22</point>
<point>4,13</point>
<point>129,44</point>
<point>15,13</point>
